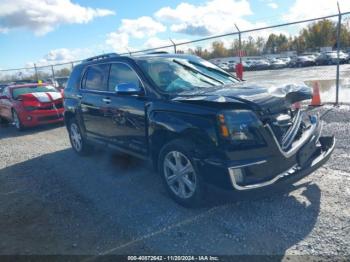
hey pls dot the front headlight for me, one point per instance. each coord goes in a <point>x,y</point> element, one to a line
<point>240,126</point>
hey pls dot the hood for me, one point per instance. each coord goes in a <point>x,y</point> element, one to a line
<point>257,97</point>
<point>42,97</point>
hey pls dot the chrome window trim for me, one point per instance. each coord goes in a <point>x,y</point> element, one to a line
<point>107,92</point>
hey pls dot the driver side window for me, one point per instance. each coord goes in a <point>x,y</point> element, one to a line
<point>122,74</point>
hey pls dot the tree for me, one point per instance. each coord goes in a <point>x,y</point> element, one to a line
<point>219,49</point>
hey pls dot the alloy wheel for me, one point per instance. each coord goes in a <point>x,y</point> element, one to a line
<point>180,174</point>
<point>16,120</point>
<point>76,137</point>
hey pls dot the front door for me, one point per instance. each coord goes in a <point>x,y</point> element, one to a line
<point>127,110</point>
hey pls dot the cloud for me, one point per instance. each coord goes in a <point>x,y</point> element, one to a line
<point>189,29</point>
<point>141,27</point>
<point>213,17</point>
<point>118,41</point>
<point>273,5</point>
<point>302,9</point>
<point>62,55</point>
<point>42,16</point>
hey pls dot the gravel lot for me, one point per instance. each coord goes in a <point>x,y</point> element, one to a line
<point>54,202</point>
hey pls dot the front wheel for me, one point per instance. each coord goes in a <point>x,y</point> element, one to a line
<point>179,173</point>
<point>76,138</point>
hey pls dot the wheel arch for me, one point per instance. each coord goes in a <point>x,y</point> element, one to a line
<point>202,141</point>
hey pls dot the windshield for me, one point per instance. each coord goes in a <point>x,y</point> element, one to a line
<point>16,92</point>
<point>174,75</point>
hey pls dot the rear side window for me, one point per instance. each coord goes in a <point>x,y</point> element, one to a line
<point>96,77</point>
<point>122,74</point>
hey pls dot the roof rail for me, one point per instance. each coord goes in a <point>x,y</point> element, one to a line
<point>104,56</point>
<point>158,53</point>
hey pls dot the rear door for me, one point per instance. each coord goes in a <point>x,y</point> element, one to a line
<point>95,100</point>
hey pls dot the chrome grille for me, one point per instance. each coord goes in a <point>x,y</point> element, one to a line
<point>286,127</point>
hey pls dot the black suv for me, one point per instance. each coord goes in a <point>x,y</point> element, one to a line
<point>197,123</point>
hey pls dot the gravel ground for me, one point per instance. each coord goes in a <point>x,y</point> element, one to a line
<point>55,202</point>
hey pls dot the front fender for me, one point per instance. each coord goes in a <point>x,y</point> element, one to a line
<point>165,126</point>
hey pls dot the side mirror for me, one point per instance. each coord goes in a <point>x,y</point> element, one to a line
<point>4,97</point>
<point>127,88</point>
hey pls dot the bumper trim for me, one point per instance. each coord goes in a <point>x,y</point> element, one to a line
<point>314,164</point>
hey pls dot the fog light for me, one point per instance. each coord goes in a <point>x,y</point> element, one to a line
<point>237,175</point>
<point>29,118</point>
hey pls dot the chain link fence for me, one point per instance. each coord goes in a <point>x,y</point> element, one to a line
<point>312,52</point>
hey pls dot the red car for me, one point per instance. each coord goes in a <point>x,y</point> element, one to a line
<point>30,105</point>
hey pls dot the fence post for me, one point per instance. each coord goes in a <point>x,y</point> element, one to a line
<point>53,72</point>
<point>72,65</point>
<point>338,50</point>
<point>239,44</point>
<point>173,44</point>
<point>36,73</point>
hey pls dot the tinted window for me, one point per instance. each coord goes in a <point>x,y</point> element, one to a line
<point>96,77</point>
<point>6,92</point>
<point>122,74</point>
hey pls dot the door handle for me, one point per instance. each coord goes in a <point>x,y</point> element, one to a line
<point>79,96</point>
<point>106,100</point>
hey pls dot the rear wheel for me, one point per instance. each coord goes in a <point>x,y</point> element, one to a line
<point>17,121</point>
<point>179,173</point>
<point>76,138</point>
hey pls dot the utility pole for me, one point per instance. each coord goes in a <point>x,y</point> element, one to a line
<point>338,50</point>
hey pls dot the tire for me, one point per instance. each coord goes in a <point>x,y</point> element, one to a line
<point>3,120</point>
<point>187,188</point>
<point>76,138</point>
<point>17,121</point>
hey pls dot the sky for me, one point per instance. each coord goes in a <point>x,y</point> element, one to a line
<point>46,32</point>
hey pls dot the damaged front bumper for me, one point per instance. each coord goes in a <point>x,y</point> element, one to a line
<point>306,154</point>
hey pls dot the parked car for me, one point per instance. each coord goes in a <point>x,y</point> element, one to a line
<point>195,122</point>
<point>260,64</point>
<point>30,105</point>
<point>287,60</point>
<point>224,66</point>
<point>303,61</point>
<point>2,86</point>
<point>248,65</point>
<point>278,63</point>
<point>61,82</point>
<point>331,58</point>
<point>232,65</point>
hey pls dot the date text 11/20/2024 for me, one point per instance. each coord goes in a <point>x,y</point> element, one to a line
<point>173,258</point>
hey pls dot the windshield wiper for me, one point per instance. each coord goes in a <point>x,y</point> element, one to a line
<point>213,70</point>
<point>198,72</point>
